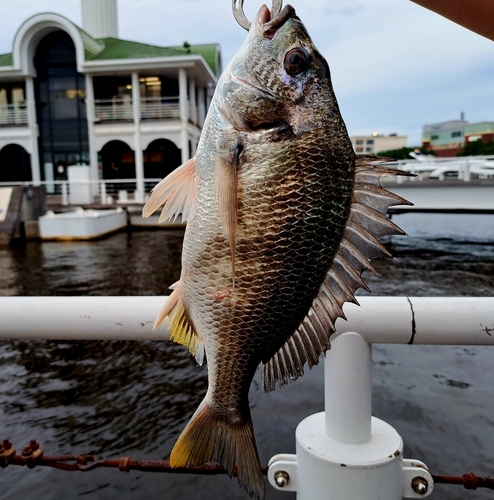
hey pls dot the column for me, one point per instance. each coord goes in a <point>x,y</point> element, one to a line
<point>138,153</point>
<point>202,106</point>
<point>90,114</point>
<point>184,113</point>
<point>33,129</point>
<point>192,98</point>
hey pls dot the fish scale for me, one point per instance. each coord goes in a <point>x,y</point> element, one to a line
<point>281,222</point>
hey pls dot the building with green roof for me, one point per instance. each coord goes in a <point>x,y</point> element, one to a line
<point>84,96</point>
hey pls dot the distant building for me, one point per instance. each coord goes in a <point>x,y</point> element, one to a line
<point>71,95</point>
<point>447,138</point>
<point>375,143</point>
<point>483,131</point>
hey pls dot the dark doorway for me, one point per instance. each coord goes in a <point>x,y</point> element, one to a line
<point>15,164</point>
<point>160,158</point>
<point>118,162</point>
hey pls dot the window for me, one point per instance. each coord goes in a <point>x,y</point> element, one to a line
<point>455,134</point>
<point>359,141</point>
<point>368,150</point>
<point>359,150</point>
<point>434,137</point>
<point>370,141</point>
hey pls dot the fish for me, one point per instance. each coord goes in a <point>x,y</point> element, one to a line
<point>282,219</point>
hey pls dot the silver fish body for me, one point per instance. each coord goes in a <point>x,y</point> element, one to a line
<point>281,223</point>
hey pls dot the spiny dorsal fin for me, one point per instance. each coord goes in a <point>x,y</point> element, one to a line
<point>176,192</point>
<point>182,331</point>
<point>360,244</point>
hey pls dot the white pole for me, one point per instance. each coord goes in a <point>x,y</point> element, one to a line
<point>139,162</point>
<point>345,453</point>
<point>184,113</point>
<point>104,200</point>
<point>348,419</point>
<point>65,198</point>
<point>33,131</point>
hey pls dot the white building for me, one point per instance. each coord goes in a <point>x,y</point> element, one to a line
<point>71,95</point>
<point>375,143</point>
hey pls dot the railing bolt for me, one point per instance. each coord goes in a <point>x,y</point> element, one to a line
<point>27,451</point>
<point>281,478</point>
<point>420,485</point>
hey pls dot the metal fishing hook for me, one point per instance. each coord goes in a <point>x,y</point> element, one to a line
<point>238,12</point>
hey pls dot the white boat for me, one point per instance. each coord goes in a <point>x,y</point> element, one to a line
<point>81,224</point>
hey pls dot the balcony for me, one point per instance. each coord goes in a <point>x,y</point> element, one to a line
<point>160,108</point>
<point>113,110</point>
<point>13,114</point>
<point>120,109</point>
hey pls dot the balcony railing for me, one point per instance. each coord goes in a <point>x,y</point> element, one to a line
<point>112,110</point>
<point>11,114</point>
<point>152,108</point>
<point>160,108</point>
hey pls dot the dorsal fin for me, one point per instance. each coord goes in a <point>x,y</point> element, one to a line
<point>176,192</point>
<point>360,244</point>
<point>182,331</point>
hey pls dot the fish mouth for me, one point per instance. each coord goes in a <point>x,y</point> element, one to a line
<point>238,122</point>
<point>268,27</point>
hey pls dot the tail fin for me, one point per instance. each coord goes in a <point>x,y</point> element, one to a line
<point>209,438</point>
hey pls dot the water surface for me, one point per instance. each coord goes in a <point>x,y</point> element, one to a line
<point>134,398</point>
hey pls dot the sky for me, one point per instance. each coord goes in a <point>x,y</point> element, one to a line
<point>395,66</point>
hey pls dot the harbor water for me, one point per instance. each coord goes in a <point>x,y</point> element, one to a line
<point>112,398</point>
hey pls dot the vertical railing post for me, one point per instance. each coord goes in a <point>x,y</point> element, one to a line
<point>344,452</point>
<point>65,197</point>
<point>348,389</point>
<point>104,201</point>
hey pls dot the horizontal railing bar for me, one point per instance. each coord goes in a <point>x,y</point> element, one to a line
<point>396,320</point>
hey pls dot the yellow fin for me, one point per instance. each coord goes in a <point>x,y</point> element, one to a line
<point>182,331</point>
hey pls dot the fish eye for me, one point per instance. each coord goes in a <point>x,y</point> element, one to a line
<point>296,61</point>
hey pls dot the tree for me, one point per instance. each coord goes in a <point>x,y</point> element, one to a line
<point>402,153</point>
<point>477,148</point>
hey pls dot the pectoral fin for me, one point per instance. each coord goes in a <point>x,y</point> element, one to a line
<point>176,193</point>
<point>226,186</point>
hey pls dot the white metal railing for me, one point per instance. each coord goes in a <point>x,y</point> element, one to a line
<point>14,114</point>
<point>108,191</point>
<point>193,113</point>
<point>160,108</point>
<point>112,110</point>
<point>152,108</point>
<point>343,452</point>
<point>397,320</point>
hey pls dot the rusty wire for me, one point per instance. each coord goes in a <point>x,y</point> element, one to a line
<point>469,481</point>
<point>32,456</point>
